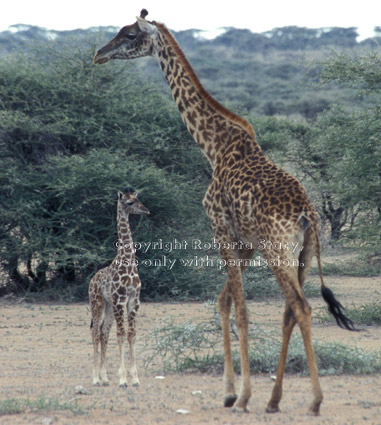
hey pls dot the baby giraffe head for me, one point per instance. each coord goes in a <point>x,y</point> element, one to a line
<point>128,202</point>
<point>132,41</point>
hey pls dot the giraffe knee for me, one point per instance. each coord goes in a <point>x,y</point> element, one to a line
<point>288,317</point>
<point>120,331</point>
<point>241,316</point>
<point>131,336</point>
<point>225,301</point>
<point>302,313</point>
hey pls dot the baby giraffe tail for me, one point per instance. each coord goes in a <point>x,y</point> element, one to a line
<point>334,306</point>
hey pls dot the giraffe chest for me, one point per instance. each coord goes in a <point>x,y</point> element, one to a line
<point>226,213</point>
<point>120,282</point>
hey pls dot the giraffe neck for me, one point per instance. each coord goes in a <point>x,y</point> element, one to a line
<point>126,250</point>
<point>211,124</point>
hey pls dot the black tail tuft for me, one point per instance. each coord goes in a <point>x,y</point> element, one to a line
<point>91,324</point>
<point>335,308</point>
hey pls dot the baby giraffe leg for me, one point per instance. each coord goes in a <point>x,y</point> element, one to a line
<point>96,337</point>
<point>119,311</point>
<point>97,308</point>
<point>104,335</point>
<point>131,341</point>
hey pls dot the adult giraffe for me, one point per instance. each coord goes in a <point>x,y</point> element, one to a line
<point>250,200</point>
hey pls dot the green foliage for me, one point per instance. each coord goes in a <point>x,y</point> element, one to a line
<point>339,359</point>
<point>340,152</point>
<point>185,346</point>
<point>13,406</point>
<point>360,72</point>
<point>10,406</point>
<point>72,134</point>
<point>191,346</point>
<point>356,266</point>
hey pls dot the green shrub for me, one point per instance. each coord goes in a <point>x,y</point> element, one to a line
<point>191,346</point>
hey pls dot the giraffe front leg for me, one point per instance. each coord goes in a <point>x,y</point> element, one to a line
<point>96,368</point>
<point>122,368</point>
<point>133,369</point>
<point>232,291</point>
<point>224,308</point>
<point>121,337</point>
<point>234,285</point>
<point>243,334</point>
<point>131,342</point>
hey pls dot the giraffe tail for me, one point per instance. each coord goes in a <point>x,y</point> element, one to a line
<point>334,306</point>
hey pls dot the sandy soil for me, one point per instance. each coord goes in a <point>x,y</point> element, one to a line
<point>45,351</point>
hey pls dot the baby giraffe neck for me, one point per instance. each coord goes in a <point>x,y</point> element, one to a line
<point>125,243</point>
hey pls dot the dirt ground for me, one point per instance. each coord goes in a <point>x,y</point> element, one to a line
<point>45,351</point>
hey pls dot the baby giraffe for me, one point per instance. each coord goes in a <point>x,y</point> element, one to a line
<point>115,290</point>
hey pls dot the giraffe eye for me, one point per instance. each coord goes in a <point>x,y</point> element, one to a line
<point>131,36</point>
<point>129,202</point>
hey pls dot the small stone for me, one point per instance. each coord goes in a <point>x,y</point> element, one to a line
<point>159,377</point>
<point>47,421</point>
<point>79,389</point>
<point>182,411</point>
<point>196,392</point>
<point>273,377</point>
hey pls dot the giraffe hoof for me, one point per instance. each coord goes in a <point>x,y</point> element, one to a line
<point>123,385</point>
<point>270,409</point>
<point>136,384</point>
<point>236,409</point>
<point>105,384</point>
<point>230,400</point>
<point>314,409</point>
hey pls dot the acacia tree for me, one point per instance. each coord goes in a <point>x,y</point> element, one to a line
<point>341,150</point>
<point>71,135</point>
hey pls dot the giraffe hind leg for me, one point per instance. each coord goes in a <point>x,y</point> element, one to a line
<point>289,322</point>
<point>297,311</point>
<point>104,335</point>
<point>287,327</point>
<point>97,313</point>
<point>242,322</point>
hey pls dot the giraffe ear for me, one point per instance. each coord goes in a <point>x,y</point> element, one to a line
<point>145,26</point>
<point>120,195</point>
<point>135,194</point>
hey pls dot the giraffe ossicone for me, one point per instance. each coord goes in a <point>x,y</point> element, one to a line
<point>114,293</point>
<point>249,199</point>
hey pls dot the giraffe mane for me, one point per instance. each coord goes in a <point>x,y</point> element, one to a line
<point>199,87</point>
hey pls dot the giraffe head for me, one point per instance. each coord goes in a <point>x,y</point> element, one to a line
<point>128,202</point>
<point>132,41</point>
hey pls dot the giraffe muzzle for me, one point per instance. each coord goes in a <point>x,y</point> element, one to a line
<point>100,58</point>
